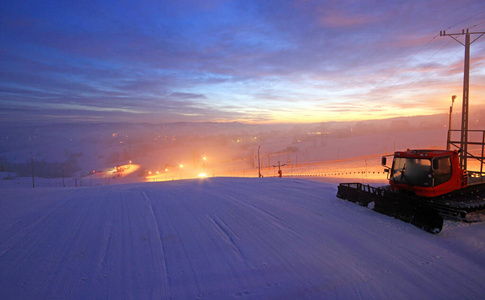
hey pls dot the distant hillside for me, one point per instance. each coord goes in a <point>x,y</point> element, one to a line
<point>228,147</point>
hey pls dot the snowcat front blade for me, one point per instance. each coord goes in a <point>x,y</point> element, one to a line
<point>358,193</point>
<point>404,207</point>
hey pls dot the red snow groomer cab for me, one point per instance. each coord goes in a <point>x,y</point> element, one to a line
<point>427,173</point>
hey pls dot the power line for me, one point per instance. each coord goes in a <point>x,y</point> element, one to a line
<point>444,61</point>
<point>404,63</point>
<point>483,11</point>
<point>429,58</point>
<point>478,24</point>
<point>422,48</point>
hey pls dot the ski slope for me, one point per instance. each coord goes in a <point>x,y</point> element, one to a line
<point>223,238</point>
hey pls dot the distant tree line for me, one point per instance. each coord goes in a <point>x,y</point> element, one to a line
<point>42,168</point>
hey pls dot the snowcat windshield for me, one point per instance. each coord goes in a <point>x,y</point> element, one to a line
<point>412,171</point>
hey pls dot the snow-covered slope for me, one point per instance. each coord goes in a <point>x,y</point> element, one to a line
<point>225,238</point>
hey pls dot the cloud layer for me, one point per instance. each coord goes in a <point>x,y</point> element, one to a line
<point>251,61</point>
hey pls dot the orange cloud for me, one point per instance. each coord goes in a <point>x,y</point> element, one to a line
<point>338,18</point>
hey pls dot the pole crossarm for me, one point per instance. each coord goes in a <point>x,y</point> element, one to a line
<point>463,32</point>
<point>455,35</point>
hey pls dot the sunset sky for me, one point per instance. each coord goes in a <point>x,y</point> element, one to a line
<point>247,61</point>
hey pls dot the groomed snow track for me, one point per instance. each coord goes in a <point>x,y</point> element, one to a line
<point>225,238</point>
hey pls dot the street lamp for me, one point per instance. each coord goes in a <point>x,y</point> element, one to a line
<point>449,122</point>
<point>203,163</point>
<point>181,166</point>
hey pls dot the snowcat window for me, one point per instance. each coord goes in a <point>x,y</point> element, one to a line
<point>442,170</point>
<point>412,171</point>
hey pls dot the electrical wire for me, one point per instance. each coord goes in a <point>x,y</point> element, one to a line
<point>463,21</point>
<point>422,49</point>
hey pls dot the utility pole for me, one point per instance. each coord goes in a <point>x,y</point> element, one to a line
<point>466,82</point>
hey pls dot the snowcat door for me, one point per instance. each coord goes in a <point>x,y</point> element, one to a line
<point>442,170</point>
<point>447,176</point>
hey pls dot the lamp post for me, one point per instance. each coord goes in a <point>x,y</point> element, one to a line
<point>449,123</point>
<point>181,166</point>
<point>203,163</point>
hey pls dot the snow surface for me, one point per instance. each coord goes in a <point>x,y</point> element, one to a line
<point>224,238</point>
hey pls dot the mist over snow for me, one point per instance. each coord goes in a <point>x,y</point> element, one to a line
<point>230,149</point>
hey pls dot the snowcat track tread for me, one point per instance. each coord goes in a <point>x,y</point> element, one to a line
<point>457,205</point>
